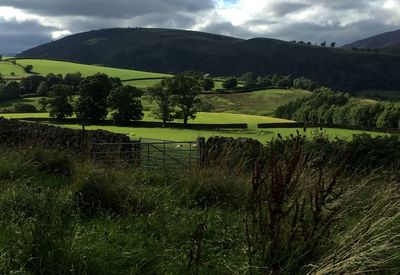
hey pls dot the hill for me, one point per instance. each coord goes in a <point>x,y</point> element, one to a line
<point>165,50</point>
<point>384,40</point>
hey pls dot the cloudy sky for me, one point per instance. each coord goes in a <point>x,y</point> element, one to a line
<point>27,23</point>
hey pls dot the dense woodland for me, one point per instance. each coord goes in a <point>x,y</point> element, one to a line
<point>335,108</point>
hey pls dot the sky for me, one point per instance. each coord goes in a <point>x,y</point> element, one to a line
<point>28,23</point>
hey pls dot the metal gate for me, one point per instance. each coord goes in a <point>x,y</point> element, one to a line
<point>147,153</point>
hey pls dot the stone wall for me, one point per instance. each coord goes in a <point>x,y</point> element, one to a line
<point>26,134</point>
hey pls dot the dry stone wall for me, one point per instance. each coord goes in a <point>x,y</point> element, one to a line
<point>26,134</point>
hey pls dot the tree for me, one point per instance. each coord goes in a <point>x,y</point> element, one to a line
<point>248,79</point>
<point>389,118</point>
<point>283,82</point>
<point>185,91</point>
<point>10,90</point>
<point>333,44</point>
<point>43,104</point>
<point>30,84</point>
<point>323,44</point>
<point>43,89</point>
<point>126,104</point>
<point>59,102</point>
<point>264,81</point>
<point>73,79</point>
<point>163,98</point>
<point>53,79</point>
<point>208,84</point>
<point>28,69</point>
<point>230,83</point>
<point>92,102</point>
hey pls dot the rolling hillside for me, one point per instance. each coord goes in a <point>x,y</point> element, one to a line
<point>384,40</point>
<point>165,50</point>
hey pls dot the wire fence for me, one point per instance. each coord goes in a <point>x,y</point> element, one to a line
<point>147,153</point>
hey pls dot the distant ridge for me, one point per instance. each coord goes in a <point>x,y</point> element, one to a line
<point>171,51</point>
<point>384,40</point>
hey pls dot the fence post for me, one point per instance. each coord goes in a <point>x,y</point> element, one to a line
<point>201,142</point>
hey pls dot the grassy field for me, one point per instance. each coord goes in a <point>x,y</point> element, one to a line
<point>45,67</point>
<point>203,118</point>
<point>255,103</point>
<point>262,135</point>
<point>8,68</point>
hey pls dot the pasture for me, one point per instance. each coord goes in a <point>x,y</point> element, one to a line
<point>254,103</point>
<point>262,135</point>
<point>45,67</point>
<point>9,70</point>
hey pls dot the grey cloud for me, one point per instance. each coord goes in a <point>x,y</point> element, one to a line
<point>282,8</point>
<point>106,8</point>
<point>18,36</point>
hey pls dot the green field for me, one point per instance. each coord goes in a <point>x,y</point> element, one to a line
<point>203,118</point>
<point>27,100</point>
<point>255,103</point>
<point>262,135</point>
<point>8,68</point>
<point>45,67</point>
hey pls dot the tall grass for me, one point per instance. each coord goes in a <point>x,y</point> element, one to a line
<point>293,215</point>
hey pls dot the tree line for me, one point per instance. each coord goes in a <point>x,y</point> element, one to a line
<point>279,81</point>
<point>94,98</point>
<point>335,108</point>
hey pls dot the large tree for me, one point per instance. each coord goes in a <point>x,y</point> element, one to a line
<point>126,104</point>
<point>230,83</point>
<point>59,101</point>
<point>10,89</point>
<point>93,94</point>
<point>185,90</point>
<point>163,98</point>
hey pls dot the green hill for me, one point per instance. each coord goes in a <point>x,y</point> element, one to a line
<point>165,50</point>
<point>384,40</point>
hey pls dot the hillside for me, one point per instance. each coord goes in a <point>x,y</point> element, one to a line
<point>169,51</point>
<point>384,40</point>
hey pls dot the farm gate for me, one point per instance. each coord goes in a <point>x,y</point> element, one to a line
<point>147,153</point>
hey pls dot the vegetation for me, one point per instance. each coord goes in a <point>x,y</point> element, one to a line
<point>330,108</point>
<point>295,214</point>
<point>125,101</point>
<point>59,102</point>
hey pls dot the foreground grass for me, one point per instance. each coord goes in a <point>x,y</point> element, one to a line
<point>59,215</point>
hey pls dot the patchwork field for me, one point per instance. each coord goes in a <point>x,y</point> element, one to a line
<point>255,103</point>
